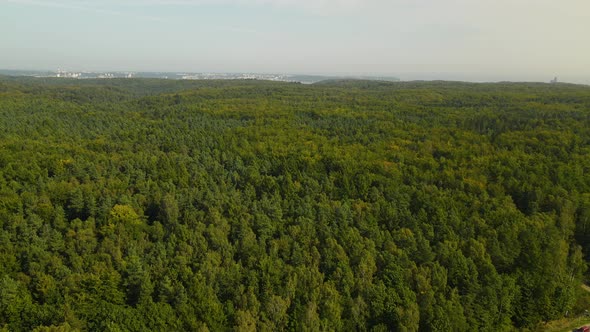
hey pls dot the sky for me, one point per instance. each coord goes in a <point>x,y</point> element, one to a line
<point>473,40</point>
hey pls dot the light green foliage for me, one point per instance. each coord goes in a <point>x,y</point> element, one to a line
<point>124,214</point>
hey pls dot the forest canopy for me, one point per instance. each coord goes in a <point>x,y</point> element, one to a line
<point>139,204</point>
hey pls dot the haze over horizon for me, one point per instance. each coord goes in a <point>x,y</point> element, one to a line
<point>519,40</point>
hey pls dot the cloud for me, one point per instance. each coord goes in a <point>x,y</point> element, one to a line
<point>293,3</point>
<point>316,6</point>
<point>81,6</point>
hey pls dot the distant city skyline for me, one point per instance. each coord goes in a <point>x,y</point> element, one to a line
<point>485,40</point>
<point>285,77</point>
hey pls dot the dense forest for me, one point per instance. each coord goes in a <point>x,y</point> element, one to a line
<point>138,204</point>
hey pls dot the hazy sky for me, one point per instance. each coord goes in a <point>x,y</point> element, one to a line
<point>425,39</point>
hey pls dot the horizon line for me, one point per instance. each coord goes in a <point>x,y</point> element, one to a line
<point>334,75</point>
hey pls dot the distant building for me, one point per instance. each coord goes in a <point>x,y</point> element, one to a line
<point>554,80</point>
<point>66,74</point>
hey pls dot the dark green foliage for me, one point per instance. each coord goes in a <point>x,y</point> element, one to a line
<point>141,205</point>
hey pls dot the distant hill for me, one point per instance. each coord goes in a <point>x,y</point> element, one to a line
<point>355,83</point>
<point>318,78</point>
